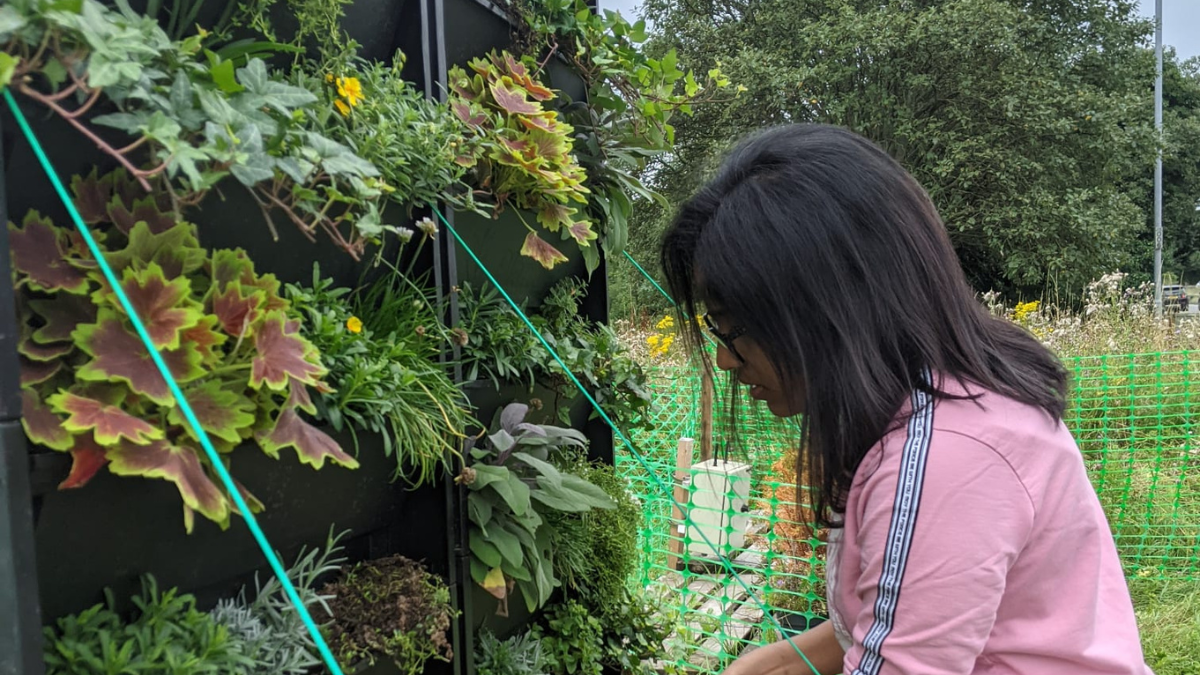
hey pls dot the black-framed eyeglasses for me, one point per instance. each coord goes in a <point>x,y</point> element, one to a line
<point>726,339</point>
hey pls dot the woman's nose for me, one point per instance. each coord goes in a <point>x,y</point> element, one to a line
<point>725,359</point>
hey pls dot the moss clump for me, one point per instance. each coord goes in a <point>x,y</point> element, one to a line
<point>390,607</point>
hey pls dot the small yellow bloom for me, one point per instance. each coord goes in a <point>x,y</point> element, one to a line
<point>652,340</point>
<point>350,89</point>
<point>666,322</point>
<point>329,78</point>
<point>342,108</point>
<point>354,324</point>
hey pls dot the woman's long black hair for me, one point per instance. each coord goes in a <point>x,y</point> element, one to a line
<point>836,263</point>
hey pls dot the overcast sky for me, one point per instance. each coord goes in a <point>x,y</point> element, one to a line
<point>1181,21</point>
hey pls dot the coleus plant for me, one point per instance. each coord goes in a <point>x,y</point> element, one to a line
<point>521,152</point>
<point>89,386</point>
<point>513,479</point>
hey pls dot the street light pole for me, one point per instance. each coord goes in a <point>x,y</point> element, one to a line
<point>1158,121</point>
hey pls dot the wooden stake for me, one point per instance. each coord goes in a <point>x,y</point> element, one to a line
<point>683,466</point>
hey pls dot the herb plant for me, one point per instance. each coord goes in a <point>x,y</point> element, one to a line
<point>380,345</point>
<point>270,629</point>
<point>391,607</point>
<point>521,152</point>
<point>514,483</point>
<point>167,636</point>
<point>233,344</point>
<point>500,346</point>
<point>194,115</point>
<point>518,655</point>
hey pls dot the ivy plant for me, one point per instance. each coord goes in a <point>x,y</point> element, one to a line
<point>195,116</point>
<point>231,341</point>
<point>514,481</point>
<point>521,151</point>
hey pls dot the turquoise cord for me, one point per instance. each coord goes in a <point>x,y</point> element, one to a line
<point>209,450</point>
<point>650,278</point>
<point>669,492</point>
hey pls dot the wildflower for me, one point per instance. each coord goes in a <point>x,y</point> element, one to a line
<point>420,330</point>
<point>460,336</point>
<point>405,234</point>
<point>354,324</point>
<point>427,226</point>
<point>666,322</point>
<point>653,340</point>
<point>350,89</point>
<point>329,78</point>
<point>342,108</point>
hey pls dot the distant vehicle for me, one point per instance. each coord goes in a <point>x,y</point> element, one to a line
<point>1175,297</point>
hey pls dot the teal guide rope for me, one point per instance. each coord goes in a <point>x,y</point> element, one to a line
<point>209,450</point>
<point>620,434</point>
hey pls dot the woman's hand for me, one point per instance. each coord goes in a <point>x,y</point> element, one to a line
<point>820,645</point>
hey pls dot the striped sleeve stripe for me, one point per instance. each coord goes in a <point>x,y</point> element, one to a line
<point>900,531</point>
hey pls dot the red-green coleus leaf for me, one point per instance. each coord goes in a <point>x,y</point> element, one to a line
<point>521,75</point>
<point>222,412</point>
<point>282,353</point>
<point>205,339</point>
<point>119,356</point>
<point>298,396</point>
<point>237,310</point>
<point>176,250</point>
<point>42,426</point>
<point>36,352</point>
<point>87,458</point>
<point>61,314</point>
<point>37,372</point>
<point>581,231</point>
<point>546,122</point>
<point>179,464</point>
<point>229,265</point>
<point>146,210</point>
<point>553,216</point>
<point>512,98</point>
<point>468,116</point>
<point>164,306</point>
<point>312,445</point>
<point>107,423</point>
<point>92,195</point>
<point>39,256</point>
<point>540,250</point>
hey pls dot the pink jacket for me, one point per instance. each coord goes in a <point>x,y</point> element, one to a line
<point>975,545</point>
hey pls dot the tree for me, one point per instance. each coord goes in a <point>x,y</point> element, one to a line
<point>1026,120</point>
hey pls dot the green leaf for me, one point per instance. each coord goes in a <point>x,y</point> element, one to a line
<point>486,475</point>
<point>224,77</point>
<point>574,495</point>
<point>487,552</point>
<point>548,471</point>
<point>507,544</point>
<point>479,510</point>
<point>514,493</point>
<point>502,441</point>
<point>8,62</point>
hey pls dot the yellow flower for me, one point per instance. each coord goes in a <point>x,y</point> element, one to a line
<point>652,340</point>
<point>342,108</point>
<point>1024,309</point>
<point>666,322</point>
<point>354,324</point>
<point>329,78</point>
<point>350,89</point>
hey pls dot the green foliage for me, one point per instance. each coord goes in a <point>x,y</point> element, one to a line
<point>597,551</point>
<point>631,100</point>
<point>273,635</point>
<point>572,640</point>
<point>514,484</point>
<point>89,386</point>
<point>501,347</point>
<point>1024,124</point>
<point>380,344</point>
<point>167,636</point>
<point>197,114</point>
<point>412,140</point>
<point>391,607</point>
<point>520,152</point>
<point>518,655</point>
<point>632,631</point>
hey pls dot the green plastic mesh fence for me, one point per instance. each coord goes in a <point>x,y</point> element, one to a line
<point>1132,415</point>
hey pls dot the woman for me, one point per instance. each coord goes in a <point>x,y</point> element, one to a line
<point>965,536</point>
